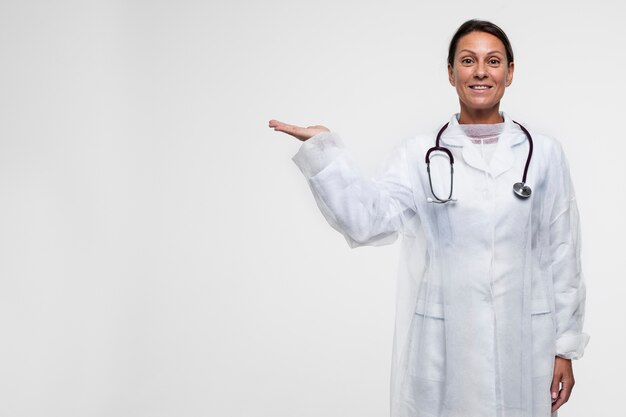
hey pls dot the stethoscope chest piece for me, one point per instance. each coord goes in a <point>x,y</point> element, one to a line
<point>522,190</point>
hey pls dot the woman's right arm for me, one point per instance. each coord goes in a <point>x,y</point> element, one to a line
<point>365,211</point>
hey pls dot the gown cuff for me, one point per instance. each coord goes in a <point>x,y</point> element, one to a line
<point>572,346</point>
<point>318,152</point>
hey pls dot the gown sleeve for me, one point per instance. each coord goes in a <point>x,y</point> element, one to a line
<point>365,211</point>
<point>569,286</point>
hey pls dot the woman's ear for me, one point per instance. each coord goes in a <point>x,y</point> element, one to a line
<point>451,76</point>
<point>509,76</point>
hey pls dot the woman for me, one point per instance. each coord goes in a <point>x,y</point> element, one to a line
<point>491,298</point>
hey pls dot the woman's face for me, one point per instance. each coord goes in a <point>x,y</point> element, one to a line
<point>480,72</point>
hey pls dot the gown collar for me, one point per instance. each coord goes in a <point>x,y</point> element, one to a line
<point>503,158</point>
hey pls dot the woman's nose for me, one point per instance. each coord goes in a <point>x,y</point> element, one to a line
<point>481,71</point>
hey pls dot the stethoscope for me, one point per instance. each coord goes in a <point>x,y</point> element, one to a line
<point>520,189</point>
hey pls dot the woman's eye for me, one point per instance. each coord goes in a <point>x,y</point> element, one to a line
<point>494,61</point>
<point>466,61</point>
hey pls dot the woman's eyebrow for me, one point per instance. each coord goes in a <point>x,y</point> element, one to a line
<point>488,53</point>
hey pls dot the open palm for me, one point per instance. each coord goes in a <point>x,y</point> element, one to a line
<point>298,132</point>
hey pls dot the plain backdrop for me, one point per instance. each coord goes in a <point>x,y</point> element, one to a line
<point>161,255</point>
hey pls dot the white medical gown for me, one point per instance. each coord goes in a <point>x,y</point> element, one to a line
<point>489,287</point>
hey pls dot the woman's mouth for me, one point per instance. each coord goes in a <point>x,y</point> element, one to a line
<point>480,87</point>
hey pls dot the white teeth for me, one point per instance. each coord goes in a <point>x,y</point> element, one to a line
<point>479,87</point>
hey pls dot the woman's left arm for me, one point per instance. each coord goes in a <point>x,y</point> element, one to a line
<point>568,283</point>
<point>569,286</point>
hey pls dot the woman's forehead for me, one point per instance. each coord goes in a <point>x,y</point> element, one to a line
<point>480,42</point>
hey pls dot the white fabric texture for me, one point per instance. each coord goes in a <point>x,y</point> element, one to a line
<point>484,135</point>
<point>489,287</point>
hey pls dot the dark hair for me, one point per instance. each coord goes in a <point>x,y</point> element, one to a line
<point>479,26</point>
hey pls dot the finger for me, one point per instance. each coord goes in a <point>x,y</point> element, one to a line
<point>562,399</point>
<point>286,128</point>
<point>566,389</point>
<point>557,404</point>
<point>277,123</point>
<point>554,387</point>
<point>564,394</point>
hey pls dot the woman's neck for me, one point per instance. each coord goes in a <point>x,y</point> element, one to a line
<point>480,116</point>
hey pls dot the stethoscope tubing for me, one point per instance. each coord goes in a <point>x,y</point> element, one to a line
<point>520,189</point>
<point>530,150</point>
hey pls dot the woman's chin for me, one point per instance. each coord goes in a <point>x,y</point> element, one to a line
<point>481,105</point>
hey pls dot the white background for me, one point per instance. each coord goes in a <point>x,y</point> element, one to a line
<point>161,255</point>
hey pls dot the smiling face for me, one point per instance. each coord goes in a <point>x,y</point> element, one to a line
<point>480,74</point>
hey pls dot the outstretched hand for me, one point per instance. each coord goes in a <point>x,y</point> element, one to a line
<point>298,132</point>
<point>564,376</point>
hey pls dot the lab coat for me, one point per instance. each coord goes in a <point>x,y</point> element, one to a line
<point>489,287</point>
